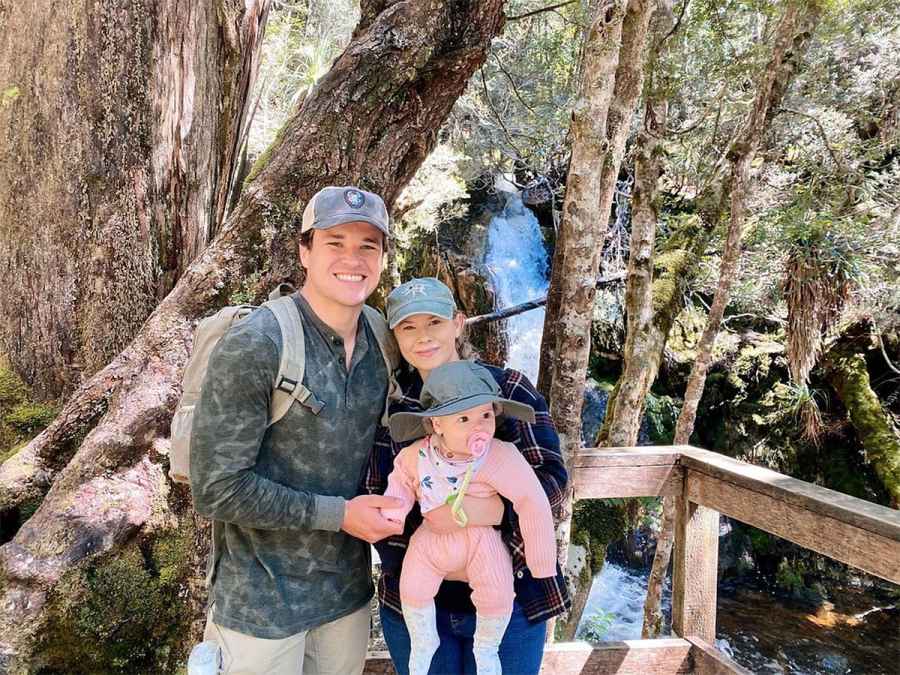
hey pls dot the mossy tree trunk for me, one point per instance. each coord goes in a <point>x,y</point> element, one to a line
<point>370,121</point>
<point>612,79</point>
<point>845,368</point>
<point>122,122</point>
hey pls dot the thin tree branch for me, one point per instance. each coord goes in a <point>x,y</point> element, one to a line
<point>507,312</point>
<point>513,83</point>
<point>487,97</point>
<point>538,11</point>
<point>839,164</point>
<point>675,27</point>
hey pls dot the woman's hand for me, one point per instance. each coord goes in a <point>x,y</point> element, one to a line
<point>483,511</point>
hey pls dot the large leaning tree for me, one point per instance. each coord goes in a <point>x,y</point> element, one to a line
<point>97,475</point>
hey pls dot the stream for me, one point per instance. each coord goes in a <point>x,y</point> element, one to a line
<point>857,631</point>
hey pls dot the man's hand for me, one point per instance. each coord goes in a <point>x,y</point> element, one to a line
<point>363,519</point>
<point>484,511</point>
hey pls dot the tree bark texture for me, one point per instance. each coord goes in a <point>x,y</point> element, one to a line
<point>791,38</point>
<point>120,143</point>
<point>629,78</point>
<point>612,79</point>
<point>637,378</point>
<point>370,121</point>
<point>578,258</point>
<point>674,268</point>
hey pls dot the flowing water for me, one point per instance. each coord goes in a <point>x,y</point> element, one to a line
<point>856,633</point>
<point>518,263</point>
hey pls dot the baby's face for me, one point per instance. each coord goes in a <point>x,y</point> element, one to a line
<point>455,429</point>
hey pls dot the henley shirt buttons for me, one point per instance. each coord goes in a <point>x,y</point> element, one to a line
<point>520,574</point>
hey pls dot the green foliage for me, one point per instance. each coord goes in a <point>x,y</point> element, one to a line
<point>29,418</point>
<point>662,414</point>
<point>796,397</point>
<point>20,417</point>
<point>597,626</point>
<point>596,523</point>
<point>790,577</point>
<point>9,95</point>
<point>515,112</point>
<point>302,39</point>
<point>435,195</point>
<point>122,614</point>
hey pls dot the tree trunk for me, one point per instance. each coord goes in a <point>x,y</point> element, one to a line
<point>629,78</point>
<point>126,119</point>
<point>370,121</point>
<point>845,368</point>
<point>636,378</point>
<point>791,38</point>
<point>611,83</point>
<point>674,268</point>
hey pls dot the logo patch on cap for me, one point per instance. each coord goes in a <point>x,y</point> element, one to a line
<point>415,289</point>
<point>354,198</point>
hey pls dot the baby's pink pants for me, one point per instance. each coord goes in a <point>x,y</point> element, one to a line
<point>478,551</point>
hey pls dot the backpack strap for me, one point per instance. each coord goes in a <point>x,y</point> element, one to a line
<point>289,381</point>
<point>389,351</point>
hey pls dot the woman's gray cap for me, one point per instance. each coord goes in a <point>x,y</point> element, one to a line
<point>332,206</point>
<point>425,295</point>
<point>452,388</point>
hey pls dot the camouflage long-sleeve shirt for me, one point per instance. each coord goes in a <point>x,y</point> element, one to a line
<point>276,494</point>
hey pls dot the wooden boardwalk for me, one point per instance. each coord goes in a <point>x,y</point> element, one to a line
<point>707,484</point>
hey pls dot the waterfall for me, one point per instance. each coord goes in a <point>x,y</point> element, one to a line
<point>518,264</point>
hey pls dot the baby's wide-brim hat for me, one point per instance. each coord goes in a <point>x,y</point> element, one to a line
<point>453,388</point>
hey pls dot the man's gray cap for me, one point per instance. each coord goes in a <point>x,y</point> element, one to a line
<point>425,295</point>
<point>332,206</point>
<point>452,388</point>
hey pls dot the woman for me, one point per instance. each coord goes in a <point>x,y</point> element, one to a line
<point>423,315</point>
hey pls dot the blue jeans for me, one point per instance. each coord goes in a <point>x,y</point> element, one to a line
<point>521,650</point>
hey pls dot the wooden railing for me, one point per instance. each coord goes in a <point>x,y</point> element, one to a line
<point>705,485</point>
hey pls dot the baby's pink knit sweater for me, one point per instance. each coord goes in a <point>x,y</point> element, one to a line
<point>504,471</point>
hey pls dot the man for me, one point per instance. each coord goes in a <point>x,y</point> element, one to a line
<point>291,575</point>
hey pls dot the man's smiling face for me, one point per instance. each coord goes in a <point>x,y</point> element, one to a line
<point>343,264</point>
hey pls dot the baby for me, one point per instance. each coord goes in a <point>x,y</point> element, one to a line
<point>457,454</point>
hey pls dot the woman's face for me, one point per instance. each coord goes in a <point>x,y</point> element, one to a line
<point>427,341</point>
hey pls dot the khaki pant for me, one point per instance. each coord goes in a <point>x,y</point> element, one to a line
<point>336,648</point>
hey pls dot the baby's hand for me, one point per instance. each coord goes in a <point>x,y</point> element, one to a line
<point>397,514</point>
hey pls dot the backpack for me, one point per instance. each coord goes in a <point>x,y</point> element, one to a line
<point>288,385</point>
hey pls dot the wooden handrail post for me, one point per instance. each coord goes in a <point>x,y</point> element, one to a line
<point>695,570</point>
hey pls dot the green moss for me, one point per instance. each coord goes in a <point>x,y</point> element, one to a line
<point>124,613</point>
<point>12,390</point>
<point>873,425</point>
<point>662,414</point>
<point>13,449</point>
<point>263,160</point>
<point>27,419</point>
<point>596,523</point>
<point>21,418</point>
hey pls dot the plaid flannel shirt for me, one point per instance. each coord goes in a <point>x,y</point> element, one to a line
<point>540,599</point>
